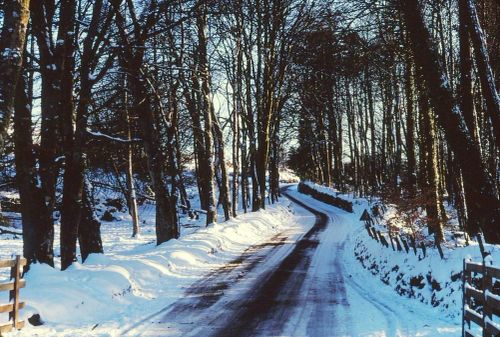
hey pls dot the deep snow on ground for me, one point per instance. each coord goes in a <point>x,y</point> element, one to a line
<point>121,286</point>
<point>429,279</point>
<point>373,303</point>
<point>135,277</point>
<point>325,293</point>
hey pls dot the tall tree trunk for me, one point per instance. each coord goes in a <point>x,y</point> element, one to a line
<point>433,193</point>
<point>133,56</point>
<point>488,86</point>
<point>236,155</point>
<point>250,132</point>
<point>274,178</point>
<point>12,43</point>
<point>244,169</point>
<point>478,183</point>
<point>397,140</point>
<point>206,108</point>
<point>129,172</point>
<point>410,126</point>
<point>166,221</point>
<point>50,67</point>
<point>198,139</point>
<point>38,230</point>
<point>175,151</point>
<point>72,140</point>
<point>89,228</point>
<point>77,219</point>
<point>224,197</point>
<point>237,114</point>
<point>466,99</point>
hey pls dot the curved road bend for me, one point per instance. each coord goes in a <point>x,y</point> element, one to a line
<point>294,285</point>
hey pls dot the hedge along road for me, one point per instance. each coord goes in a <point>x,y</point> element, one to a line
<point>293,285</point>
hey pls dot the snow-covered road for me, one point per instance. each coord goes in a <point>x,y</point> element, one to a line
<point>303,282</point>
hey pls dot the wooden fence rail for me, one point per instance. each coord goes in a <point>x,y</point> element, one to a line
<point>16,283</point>
<point>483,298</point>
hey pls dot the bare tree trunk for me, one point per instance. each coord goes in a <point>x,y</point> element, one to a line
<point>250,132</point>
<point>410,126</point>
<point>274,178</point>
<point>73,141</point>
<point>235,159</point>
<point>478,183</point>
<point>180,178</point>
<point>198,139</point>
<point>435,217</point>
<point>175,151</point>
<point>38,230</point>
<point>166,221</point>
<point>50,66</point>
<point>89,228</point>
<point>488,85</point>
<point>244,169</point>
<point>12,43</point>
<point>166,217</point>
<point>373,151</point>
<point>398,141</point>
<point>206,107</point>
<point>238,112</point>
<point>132,196</point>
<point>466,99</point>
<point>224,197</point>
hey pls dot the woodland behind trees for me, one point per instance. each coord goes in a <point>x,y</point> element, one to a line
<point>406,107</point>
<point>390,98</point>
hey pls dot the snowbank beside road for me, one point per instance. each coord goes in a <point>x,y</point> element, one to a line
<point>109,292</point>
<point>429,279</point>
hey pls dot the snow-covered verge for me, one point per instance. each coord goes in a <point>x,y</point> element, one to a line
<point>434,281</point>
<point>309,188</point>
<point>136,278</point>
<point>431,280</point>
<point>288,176</point>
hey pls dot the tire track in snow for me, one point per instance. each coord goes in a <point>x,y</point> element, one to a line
<point>393,318</point>
<point>293,296</point>
<point>208,291</point>
<point>266,311</point>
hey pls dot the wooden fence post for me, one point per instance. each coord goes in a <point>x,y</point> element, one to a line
<point>487,312</point>
<point>392,243</point>
<point>423,248</point>
<point>15,284</point>
<point>413,244</point>
<point>15,275</point>
<point>481,246</point>
<point>367,226</point>
<point>398,244</point>
<point>481,298</point>
<point>383,239</point>
<point>405,244</point>
<point>465,299</point>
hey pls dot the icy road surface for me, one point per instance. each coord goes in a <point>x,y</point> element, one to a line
<point>300,283</point>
